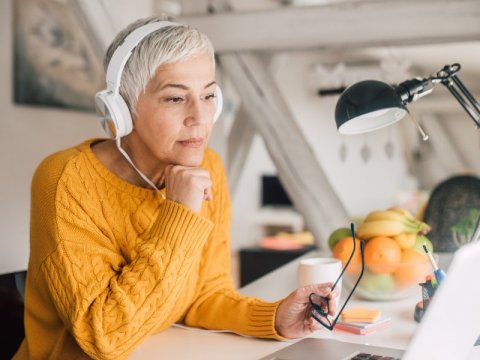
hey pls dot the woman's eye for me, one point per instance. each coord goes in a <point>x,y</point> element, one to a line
<point>175,99</point>
<point>210,97</point>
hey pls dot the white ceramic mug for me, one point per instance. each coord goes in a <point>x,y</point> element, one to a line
<point>320,270</point>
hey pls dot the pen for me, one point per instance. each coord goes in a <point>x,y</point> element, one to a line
<point>429,285</point>
<point>439,273</point>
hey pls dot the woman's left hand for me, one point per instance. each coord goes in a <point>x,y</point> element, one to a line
<point>189,186</point>
<point>293,319</point>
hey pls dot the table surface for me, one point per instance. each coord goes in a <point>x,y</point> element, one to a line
<point>183,343</point>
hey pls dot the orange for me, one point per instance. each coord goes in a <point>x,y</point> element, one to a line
<point>413,268</point>
<point>342,251</point>
<point>382,255</point>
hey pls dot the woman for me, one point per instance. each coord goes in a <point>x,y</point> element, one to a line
<point>130,235</point>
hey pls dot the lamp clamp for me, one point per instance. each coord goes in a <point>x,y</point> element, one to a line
<point>413,89</point>
<point>448,77</point>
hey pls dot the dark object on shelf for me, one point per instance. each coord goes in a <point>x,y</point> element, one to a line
<point>273,193</point>
<point>11,314</point>
<point>450,201</point>
<point>256,262</point>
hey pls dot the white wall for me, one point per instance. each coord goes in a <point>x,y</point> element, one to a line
<point>27,134</point>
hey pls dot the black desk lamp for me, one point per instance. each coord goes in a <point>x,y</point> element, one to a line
<point>370,105</point>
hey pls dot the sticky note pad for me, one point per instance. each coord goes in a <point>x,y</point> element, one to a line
<point>362,328</point>
<point>360,314</point>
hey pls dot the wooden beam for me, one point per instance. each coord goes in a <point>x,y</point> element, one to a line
<point>240,140</point>
<point>343,24</point>
<point>297,165</point>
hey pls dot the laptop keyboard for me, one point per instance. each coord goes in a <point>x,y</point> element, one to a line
<point>365,356</point>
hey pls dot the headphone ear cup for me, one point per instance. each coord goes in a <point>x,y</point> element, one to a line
<point>123,118</point>
<point>218,103</point>
<point>104,114</point>
<point>113,114</point>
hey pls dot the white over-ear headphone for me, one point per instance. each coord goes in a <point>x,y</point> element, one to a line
<point>112,110</point>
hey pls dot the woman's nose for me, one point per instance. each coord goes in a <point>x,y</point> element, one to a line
<point>199,112</point>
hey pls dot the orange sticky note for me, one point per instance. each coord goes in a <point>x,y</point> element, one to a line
<point>360,314</point>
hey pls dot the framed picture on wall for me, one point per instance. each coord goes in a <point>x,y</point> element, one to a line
<point>54,64</point>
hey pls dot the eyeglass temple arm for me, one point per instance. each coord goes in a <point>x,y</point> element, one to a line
<point>352,229</point>
<point>362,248</point>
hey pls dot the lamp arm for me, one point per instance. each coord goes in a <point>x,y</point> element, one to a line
<point>473,109</point>
<point>448,77</point>
<point>413,89</point>
<point>467,93</point>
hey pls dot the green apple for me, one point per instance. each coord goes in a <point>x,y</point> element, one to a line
<point>418,246</point>
<point>338,234</point>
<point>377,282</point>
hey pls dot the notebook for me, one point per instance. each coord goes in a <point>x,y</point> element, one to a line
<point>449,328</point>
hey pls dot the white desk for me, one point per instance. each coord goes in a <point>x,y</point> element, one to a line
<point>178,343</point>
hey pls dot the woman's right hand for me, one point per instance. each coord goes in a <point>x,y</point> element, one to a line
<point>293,318</point>
<point>188,186</point>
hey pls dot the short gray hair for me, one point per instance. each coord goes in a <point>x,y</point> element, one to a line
<point>164,46</point>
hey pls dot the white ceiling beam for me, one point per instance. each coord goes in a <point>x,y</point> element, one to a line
<point>433,160</point>
<point>442,104</point>
<point>296,163</point>
<point>445,150</point>
<point>343,24</point>
<point>188,7</point>
<point>240,139</point>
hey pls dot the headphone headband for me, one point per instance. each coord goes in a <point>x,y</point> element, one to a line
<point>124,51</point>
<point>112,110</point>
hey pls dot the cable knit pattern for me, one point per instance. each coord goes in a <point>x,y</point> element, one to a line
<point>112,263</point>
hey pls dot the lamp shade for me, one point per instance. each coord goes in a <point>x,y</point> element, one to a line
<point>366,106</point>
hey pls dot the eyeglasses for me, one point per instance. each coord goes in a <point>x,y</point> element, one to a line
<point>319,304</point>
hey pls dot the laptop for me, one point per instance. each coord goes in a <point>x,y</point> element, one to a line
<point>450,327</point>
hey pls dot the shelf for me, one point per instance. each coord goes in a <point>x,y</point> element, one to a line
<point>272,216</point>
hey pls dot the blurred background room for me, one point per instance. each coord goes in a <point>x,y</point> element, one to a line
<point>282,65</point>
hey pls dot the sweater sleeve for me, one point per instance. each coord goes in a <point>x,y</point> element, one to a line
<point>219,306</point>
<point>110,303</point>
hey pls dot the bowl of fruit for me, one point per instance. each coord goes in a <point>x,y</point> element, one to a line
<point>395,261</point>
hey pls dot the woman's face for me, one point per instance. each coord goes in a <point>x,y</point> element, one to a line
<point>174,116</point>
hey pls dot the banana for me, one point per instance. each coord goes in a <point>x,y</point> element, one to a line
<point>406,240</point>
<point>387,215</point>
<point>370,229</point>
<point>425,228</point>
<point>399,214</point>
<point>402,211</point>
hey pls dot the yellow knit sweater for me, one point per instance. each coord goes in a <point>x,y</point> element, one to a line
<point>112,263</point>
